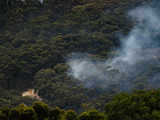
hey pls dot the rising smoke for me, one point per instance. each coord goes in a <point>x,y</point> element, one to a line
<point>139,54</point>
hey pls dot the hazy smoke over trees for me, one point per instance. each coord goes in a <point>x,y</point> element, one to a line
<point>138,54</point>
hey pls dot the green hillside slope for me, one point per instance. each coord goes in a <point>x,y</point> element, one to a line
<point>36,38</point>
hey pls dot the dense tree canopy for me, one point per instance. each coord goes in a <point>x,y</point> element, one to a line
<point>140,105</point>
<point>35,40</point>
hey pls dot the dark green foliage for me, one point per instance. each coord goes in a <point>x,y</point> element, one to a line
<point>36,39</point>
<point>14,114</point>
<point>4,113</point>
<point>92,115</point>
<point>95,115</point>
<point>84,116</point>
<point>55,113</point>
<point>70,115</point>
<point>3,116</point>
<point>28,114</point>
<point>139,105</point>
<point>142,105</point>
<point>41,110</point>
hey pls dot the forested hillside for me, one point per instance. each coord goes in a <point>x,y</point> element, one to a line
<point>140,105</point>
<point>36,39</point>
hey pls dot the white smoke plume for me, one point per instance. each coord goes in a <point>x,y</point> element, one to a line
<point>138,54</point>
<point>41,1</point>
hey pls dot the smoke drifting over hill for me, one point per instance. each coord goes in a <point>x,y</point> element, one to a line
<point>138,54</point>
